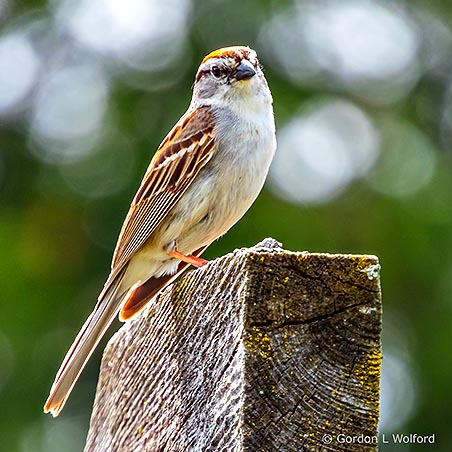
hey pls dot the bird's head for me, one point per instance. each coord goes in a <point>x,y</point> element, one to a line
<point>230,75</point>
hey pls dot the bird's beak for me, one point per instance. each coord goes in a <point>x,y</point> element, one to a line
<point>244,71</point>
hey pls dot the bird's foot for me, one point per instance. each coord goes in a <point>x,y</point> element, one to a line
<point>189,258</point>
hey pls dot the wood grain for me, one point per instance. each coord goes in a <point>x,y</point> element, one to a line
<point>260,350</point>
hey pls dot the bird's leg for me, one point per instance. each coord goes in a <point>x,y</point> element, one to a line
<point>189,258</point>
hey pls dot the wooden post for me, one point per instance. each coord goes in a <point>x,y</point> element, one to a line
<point>262,350</point>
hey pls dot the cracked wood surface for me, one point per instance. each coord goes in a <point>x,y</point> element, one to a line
<point>262,350</point>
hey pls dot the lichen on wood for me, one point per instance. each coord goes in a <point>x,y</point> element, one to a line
<point>261,350</point>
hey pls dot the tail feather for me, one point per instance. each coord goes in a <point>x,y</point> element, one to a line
<point>91,333</point>
<point>114,299</point>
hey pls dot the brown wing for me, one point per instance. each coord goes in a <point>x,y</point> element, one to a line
<point>174,167</point>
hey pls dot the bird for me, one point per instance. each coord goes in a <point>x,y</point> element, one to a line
<point>204,176</point>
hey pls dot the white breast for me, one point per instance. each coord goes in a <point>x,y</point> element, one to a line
<point>231,181</point>
<point>235,176</point>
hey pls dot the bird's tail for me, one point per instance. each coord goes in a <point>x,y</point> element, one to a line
<point>114,299</point>
<point>106,309</point>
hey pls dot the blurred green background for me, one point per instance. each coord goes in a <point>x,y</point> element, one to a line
<point>363,103</point>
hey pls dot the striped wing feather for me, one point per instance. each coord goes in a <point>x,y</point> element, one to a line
<point>175,165</point>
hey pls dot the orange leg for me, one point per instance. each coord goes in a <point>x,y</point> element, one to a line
<point>189,259</point>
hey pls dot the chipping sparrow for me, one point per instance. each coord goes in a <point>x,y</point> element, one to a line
<point>203,178</point>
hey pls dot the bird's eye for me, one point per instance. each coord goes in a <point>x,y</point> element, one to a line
<point>216,71</point>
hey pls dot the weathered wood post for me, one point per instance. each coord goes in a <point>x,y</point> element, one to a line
<point>262,350</point>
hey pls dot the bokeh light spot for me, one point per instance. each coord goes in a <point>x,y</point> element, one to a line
<point>360,40</point>
<point>19,70</point>
<point>398,393</point>
<point>68,113</point>
<point>320,152</point>
<point>352,43</point>
<point>131,30</point>
<point>407,164</point>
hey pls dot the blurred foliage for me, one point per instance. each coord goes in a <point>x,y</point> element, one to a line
<point>363,105</point>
